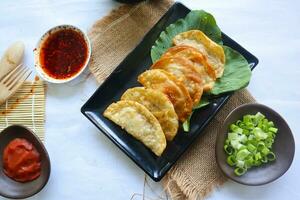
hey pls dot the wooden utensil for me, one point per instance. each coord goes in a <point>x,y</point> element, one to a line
<point>11,58</point>
<point>12,82</point>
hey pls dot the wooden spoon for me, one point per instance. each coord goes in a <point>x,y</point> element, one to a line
<point>11,58</point>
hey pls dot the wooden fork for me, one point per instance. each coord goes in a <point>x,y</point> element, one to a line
<point>10,83</point>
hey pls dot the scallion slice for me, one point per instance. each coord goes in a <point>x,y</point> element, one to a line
<point>249,142</point>
<point>240,171</point>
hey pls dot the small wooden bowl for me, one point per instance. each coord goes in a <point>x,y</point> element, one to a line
<point>283,147</point>
<point>16,190</point>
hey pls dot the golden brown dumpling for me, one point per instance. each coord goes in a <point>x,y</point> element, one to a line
<point>159,105</point>
<point>185,71</point>
<point>139,122</point>
<point>214,52</point>
<point>203,68</point>
<point>165,82</point>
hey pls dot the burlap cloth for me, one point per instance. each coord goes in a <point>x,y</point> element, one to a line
<point>113,37</point>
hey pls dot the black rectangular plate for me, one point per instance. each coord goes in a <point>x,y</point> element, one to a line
<point>125,76</point>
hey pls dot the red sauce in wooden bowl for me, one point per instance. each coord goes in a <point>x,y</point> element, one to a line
<point>21,161</point>
<point>63,54</point>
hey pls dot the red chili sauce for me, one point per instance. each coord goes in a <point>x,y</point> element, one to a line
<point>21,161</point>
<point>63,54</point>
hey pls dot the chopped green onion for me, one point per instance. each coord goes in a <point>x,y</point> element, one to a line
<point>260,145</point>
<point>273,130</point>
<point>240,163</point>
<point>271,124</point>
<point>249,142</point>
<point>259,134</point>
<point>257,156</point>
<point>264,159</point>
<point>259,116</point>
<point>229,150</point>
<point>249,162</point>
<point>231,160</point>
<point>242,154</point>
<point>271,156</point>
<point>265,151</point>
<point>246,132</point>
<point>236,144</point>
<point>238,122</point>
<point>251,148</point>
<point>240,171</point>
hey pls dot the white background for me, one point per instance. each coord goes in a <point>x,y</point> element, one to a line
<point>85,164</point>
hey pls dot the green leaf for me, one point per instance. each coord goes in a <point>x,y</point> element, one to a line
<point>203,102</point>
<point>236,75</point>
<point>195,20</point>
<point>186,124</point>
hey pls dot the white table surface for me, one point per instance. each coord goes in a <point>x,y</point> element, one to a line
<point>85,164</point>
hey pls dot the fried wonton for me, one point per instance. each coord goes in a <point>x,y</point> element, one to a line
<point>139,122</point>
<point>165,82</point>
<point>184,70</point>
<point>159,105</point>
<point>203,68</point>
<point>205,45</point>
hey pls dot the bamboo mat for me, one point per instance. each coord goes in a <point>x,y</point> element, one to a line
<point>26,107</point>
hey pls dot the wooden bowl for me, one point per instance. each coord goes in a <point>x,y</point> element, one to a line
<point>283,147</point>
<point>16,190</point>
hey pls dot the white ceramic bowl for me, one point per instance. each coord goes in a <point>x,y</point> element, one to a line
<point>37,49</point>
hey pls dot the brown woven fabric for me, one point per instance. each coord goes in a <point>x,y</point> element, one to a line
<point>113,37</point>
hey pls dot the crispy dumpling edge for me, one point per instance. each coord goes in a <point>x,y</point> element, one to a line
<point>110,109</point>
<point>179,84</point>
<point>213,47</point>
<point>170,133</point>
<point>160,64</point>
<point>199,57</point>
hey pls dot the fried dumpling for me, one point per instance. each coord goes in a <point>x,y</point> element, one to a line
<point>159,105</point>
<point>213,51</point>
<point>184,70</point>
<point>139,122</point>
<point>203,68</point>
<point>165,82</point>
<point>191,54</point>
